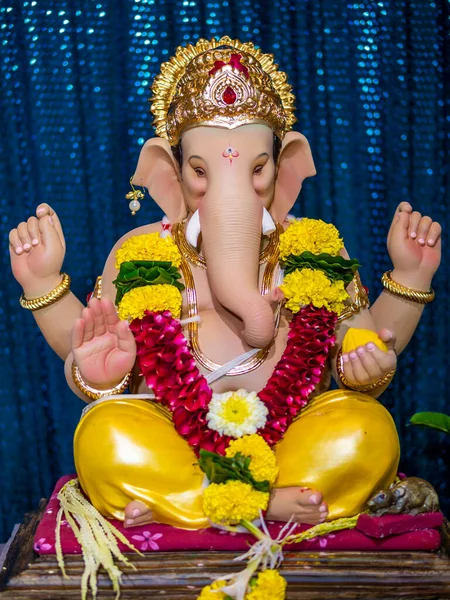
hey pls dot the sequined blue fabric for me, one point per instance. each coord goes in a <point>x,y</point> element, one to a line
<point>372,98</point>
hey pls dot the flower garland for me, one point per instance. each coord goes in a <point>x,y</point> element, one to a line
<point>233,433</point>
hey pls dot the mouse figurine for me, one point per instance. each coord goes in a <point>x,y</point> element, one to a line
<point>410,496</point>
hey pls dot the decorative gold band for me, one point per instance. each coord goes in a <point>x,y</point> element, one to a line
<point>404,292</point>
<point>50,298</point>
<point>360,302</point>
<point>93,393</point>
<point>384,380</point>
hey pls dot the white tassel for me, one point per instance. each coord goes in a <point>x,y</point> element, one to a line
<point>96,536</point>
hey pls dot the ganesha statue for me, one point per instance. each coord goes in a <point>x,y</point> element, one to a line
<point>226,321</point>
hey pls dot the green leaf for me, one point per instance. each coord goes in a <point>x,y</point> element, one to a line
<point>140,273</point>
<point>220,469</point>
<point>335,267</point>
<point>432,419</point>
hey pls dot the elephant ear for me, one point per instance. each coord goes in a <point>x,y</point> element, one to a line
<point>158,172</point>
<point>296,164</point>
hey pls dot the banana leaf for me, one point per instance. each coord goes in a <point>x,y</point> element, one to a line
<point>220,469</point>
<point>336,267</point>
<point>139,273</point>
<point>432,419</point>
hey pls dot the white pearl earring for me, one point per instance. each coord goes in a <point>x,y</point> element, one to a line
<point>134,195</point>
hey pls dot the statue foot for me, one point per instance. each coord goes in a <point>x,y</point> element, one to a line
<point>137,513</point>
<point>302,504</point>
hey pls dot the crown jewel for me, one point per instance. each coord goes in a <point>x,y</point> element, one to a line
<point>220,83</point>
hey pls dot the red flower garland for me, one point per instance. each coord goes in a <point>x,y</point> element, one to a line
<point>170,371</point>
<point>310,339</point>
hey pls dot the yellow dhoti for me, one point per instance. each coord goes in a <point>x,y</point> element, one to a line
<point>344,444</point>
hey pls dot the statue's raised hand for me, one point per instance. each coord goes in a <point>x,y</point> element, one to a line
<point>37,249</point>
<point>414,245</point>
<point>103,347</point>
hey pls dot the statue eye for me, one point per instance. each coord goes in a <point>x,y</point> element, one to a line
<point>258,169</point>
<point>200,172</point>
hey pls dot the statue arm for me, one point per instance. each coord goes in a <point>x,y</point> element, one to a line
<point>397,314</point>
<point>414,246</point>
<point>373,363</point>
<point>37,249</point>
<point>56,322</point>
<point>108,353</point>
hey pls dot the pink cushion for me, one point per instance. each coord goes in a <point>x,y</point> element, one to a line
<point>411,533</point>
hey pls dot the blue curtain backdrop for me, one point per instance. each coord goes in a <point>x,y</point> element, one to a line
<point>372,97</point>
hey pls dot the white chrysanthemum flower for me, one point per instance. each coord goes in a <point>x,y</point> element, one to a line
<point>236,413</point>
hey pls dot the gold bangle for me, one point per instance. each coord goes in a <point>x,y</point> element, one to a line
<point>397,289</point>
<point>93,393</point>
<point>369,387</point>
<point>56,294</point>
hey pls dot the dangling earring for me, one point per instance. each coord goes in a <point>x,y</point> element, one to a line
<point>134,196</point>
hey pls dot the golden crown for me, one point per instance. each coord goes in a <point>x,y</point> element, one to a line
<point>220,83</point>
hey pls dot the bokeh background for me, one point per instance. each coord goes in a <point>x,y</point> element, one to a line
<point>372,86</point>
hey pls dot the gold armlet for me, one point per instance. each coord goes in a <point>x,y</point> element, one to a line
<point>93,393</point>
<point>405,292</point>
<point>50,298</point>
<point>384,380</point>
<point>360,302</point>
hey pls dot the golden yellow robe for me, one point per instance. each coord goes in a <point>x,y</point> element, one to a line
<point>343,444</point>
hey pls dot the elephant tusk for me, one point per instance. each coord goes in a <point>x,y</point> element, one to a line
<point>268,224</point>
<point>193,229</point>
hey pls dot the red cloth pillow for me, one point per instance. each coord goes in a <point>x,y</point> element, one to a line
<point>401,532</point>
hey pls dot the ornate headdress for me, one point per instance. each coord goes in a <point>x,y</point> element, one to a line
<point>220,83</point>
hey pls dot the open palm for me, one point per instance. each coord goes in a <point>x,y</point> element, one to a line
<point>103,346</point>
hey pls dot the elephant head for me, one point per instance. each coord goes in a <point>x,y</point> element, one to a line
<point>230,177</point>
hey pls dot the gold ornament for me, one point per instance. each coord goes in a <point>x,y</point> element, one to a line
<point>364,388</point>
<point>220,83</point>
<point>134,195</point>
<point>360,302</point>
<point>93,393</point>
<point>397,289</point>
<point>56,294</point>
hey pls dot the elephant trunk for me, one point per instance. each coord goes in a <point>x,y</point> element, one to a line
<point>231,232</point>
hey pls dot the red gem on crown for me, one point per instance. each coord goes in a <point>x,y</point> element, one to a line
<point>229,96</point>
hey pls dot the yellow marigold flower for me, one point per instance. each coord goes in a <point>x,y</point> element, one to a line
<point>209,593</point>
<point>231,502</point>
<point>270,585</point>
<point>313,287</point>
<point>263,465</point>
<point>154,298</point>
<point>310,235</point>
<point>149,246</point>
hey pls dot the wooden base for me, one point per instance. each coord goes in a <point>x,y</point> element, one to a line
<point>181,575</point>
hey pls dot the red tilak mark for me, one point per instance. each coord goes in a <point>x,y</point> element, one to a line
<point>230,153</point>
